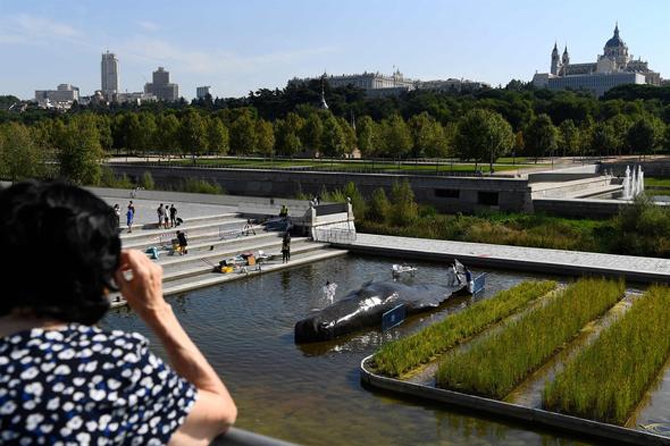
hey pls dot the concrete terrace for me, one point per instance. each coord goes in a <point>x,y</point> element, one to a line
<point>215,232</point>
<point>552,261</point>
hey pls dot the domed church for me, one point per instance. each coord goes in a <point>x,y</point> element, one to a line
<point>615,58</point>
<point>615,63</point>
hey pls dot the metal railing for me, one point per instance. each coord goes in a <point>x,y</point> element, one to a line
<point>239,437</point>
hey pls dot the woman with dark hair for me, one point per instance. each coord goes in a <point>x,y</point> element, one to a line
<point>61,378</point>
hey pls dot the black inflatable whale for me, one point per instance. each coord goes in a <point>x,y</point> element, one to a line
<point>364,308</point>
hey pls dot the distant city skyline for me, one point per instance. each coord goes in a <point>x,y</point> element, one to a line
<point>241,47</point>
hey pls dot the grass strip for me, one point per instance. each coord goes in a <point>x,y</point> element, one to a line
<point>607,380</point>
<point>403,355</point>
<point>499,363</point>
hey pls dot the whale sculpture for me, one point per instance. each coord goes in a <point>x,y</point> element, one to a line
<point>364,307</point>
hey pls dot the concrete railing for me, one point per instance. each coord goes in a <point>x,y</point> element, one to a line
<point>240,437</point>
<point>607,433</point>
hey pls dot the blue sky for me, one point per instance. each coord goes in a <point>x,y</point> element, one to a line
<point>238,46</point>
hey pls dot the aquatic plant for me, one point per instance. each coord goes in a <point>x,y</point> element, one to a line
<point>608,379</point>
<point>498,363</point>
<point>398,357</point>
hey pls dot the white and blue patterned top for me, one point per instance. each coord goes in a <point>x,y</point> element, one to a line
<point>80,385</point>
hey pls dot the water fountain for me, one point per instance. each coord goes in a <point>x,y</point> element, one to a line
<point>626,184</point>
<point>633,183</point>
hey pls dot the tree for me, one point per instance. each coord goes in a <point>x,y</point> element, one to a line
<point>147,133</point>
<point>287,131</point>
<point>483,135</point>
<point>104,129</point>
<point>243,135</point>
<point>192,134</point>
<point>312,133</point>
<point>333,141</point>
<point>365,132</point>
<point>619,125</point>
<point>568,138</point>
<point>604,138</point>
<point>541,137</point>
<point>80,153</point>
<point>265,138</point>
<point>132,130</point>
<point>217,136</point>
<point>398,139</point>
<point>646,134</point>
<point>349,135</point>
<point>379,208</point>
<point>168,138</point>
<point>20,157</point>
<point>405,209</point>
<point>428,137</point>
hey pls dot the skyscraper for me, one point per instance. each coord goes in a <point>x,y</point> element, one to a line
<point>161,86</point>
<point>109,70</point>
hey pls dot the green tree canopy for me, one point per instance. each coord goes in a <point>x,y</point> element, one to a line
<point>243,135</point>
<point>79,152</point>
<point>265,137</point>
<point>483,135</point>
<point>20,157</point>
<point>541,137</point>
<point>217,136</point>
<point>193,134</point>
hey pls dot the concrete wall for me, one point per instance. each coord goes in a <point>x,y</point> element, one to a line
<point>606,433</point>
<point>656,168</point>
<point>447,194</point>
<point>579,208</point>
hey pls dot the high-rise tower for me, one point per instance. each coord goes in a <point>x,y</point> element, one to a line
<point>109,70</point>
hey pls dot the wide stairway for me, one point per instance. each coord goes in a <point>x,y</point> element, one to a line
<point>212,239</point>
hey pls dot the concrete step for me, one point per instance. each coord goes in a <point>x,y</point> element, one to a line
<point>173,264</point>
<point>201,239</point>
<point>191,220</point>
<point>226,228</point>
<point>209,278</point>
<point>212,278</point>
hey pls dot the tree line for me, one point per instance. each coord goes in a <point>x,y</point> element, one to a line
<point>475,126</point>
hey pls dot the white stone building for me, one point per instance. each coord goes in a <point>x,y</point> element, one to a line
<point>614,67</point>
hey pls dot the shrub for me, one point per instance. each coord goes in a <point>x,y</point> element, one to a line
<point>379,209</point>
<point>405,209</point>
<point>200,186</point>
<point>147,181</point>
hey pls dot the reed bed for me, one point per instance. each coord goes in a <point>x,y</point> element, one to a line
<point>401,356</point>
<point>497,364</point>
<point>608,379</point>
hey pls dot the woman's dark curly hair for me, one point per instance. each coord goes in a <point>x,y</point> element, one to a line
<point>60,249</point>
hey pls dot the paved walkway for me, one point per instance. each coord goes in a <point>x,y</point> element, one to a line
<point>553,261</point>
<point>145,210</point>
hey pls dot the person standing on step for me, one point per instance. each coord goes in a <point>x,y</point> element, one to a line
<point>130,216</point>
<point>183,243</point>
<point>286,248</point>
<point>173,216</point>
<point>117,211</point>
<point>159,212</point>
<point>166,217</point>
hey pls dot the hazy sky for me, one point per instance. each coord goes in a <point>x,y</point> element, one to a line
<point>238,46</point>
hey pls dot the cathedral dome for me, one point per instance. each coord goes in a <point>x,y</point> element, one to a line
<point>615,41</point>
